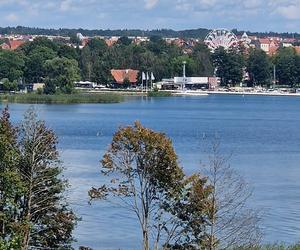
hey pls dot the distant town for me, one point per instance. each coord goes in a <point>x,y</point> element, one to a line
<point>217,59</point>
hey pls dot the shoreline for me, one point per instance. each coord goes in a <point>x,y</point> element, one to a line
<point>195,93</point>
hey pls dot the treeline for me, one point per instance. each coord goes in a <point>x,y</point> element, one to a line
<point>193,33</point>
<point>59,65</point>
<point>256,68</point>
<point>189,33</point>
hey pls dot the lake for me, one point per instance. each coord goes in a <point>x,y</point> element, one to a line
<point>261,133</point>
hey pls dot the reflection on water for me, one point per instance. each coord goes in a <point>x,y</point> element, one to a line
<point>261,132</point>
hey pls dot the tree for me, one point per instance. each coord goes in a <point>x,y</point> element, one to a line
<point>286,67</point>
<point>50,221</point>
<point>231,223</point>
<point>12,65</point>
<point>229,66</point>
<point>11,185</point>
<point>9,86</point>
<point>61,73</point>
<point>124,40</point>
<point>35,63</point>
<point>150,183</point>
<point>203,60</point>
<point>258,67</point>
<point>34,212</point>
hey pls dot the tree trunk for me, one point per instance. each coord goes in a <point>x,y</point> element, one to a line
<point>145,240</point>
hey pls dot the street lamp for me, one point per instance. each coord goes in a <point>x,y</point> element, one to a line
<point>184,74</point>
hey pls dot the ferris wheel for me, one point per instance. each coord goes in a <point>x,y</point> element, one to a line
<point>220,38</point>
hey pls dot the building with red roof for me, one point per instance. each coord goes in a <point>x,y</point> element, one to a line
<point>120,75</point>
<point>14,44</point>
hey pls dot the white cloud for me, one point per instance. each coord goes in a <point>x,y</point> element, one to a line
<point>150,4</point>
<point>291,11</point>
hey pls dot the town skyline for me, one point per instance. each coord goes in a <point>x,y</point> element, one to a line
<point>254,15</point>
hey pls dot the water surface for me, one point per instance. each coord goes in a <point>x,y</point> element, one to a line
<point>261,132</point>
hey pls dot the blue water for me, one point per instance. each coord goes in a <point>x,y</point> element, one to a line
<point>261,133</point>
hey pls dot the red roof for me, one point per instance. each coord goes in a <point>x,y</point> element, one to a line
<point>121,74</point>
<point>14,44</point>
<point>297,48</point>
<point>264,40</point>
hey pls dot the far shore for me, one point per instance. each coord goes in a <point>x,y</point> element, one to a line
<point>196,92</point>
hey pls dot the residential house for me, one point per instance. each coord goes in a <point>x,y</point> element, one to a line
<point>120,75</point>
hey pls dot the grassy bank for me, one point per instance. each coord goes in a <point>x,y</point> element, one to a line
<point>159,94</point>
<point>62,98</point>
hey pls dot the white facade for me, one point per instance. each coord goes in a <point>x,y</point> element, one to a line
<point>191,80</point>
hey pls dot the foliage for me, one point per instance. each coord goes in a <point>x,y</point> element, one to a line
<point>147,180</point>
<point>61,73</point>
<point>35,63</point>
<point>9,86</point>
<point>11,65</point>
<point>11,185</point>
<point>287,67</point>
<point>259,67</point>
<point>34,212</point>
<point>229,66</point>
<point>62,98</point>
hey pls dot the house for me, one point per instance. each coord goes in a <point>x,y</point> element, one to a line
<point>120,75</point>
<point>264,44</point>
<point>12,44</point>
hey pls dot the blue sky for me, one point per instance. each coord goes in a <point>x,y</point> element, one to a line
<point>254,15</point>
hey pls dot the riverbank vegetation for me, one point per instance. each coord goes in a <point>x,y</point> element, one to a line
<point>159,94</point>
<point>62,98</point>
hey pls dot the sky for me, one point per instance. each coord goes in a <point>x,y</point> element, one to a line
<point>253,15</point>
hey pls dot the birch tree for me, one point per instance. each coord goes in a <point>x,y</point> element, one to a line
<point>146,179</point>
<point>231,222</point>
<point>49,220</point>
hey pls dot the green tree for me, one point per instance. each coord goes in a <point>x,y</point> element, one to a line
<point>61,73</point>
<point>33,210</point>
<point>258,67</point>
<point>9,86</point>
<point>124,40</point>
<point>151,184</point>
<point>35,63</point>
<point>95,61</point>
<point>177,66</point>
<point>11,65</point>
<point>203,61</point>
<point>286,67</point>
<point>229,66</point>
<point>11,186</point>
